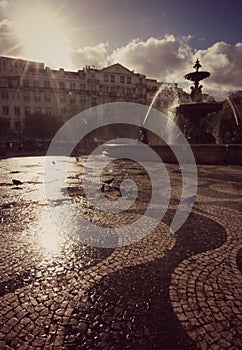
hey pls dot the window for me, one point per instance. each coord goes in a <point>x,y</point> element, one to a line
<point>105,88</point>
<point>105,77</point>
<point>26,111</point>
<point>94,101</point>
<point>112,78</point>
<point>36,83</point>
<point>5,96</point>
<point>92,75</point>
<point>47,98</point>
<point>122,79</point>
<point>26,97</point>
<point>37,98</point>
<point>122,91</point>
<point>140,92</point>
<point>17,125</point>
<point>25,83</point>
<point>48,111</point>
<point>62,99</point>
<point>17,111</point>
<point>5,110</point>
<point>72,100</point>
<point>128,80</point>
<point>140,80</point>
<point>12,83</point>
<point>82,100</point>
<point>93,87</point>
<point>62,85</point>
<point>46,84</point>
<point>129,91</point>
<point>82,87</point>
<point>37,110</point>
<point>72,86</point>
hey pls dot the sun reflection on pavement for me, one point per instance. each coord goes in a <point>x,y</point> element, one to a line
<point>49,236</point>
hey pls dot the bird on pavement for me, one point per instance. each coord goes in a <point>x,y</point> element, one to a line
<point>107,184</point>
<point>17,182</point>
<point>109,181</point>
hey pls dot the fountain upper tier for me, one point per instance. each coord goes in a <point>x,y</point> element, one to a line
<point>198,108</point>
<point>197,76</point>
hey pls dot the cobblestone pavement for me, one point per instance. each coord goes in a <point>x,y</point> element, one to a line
<point>166,291</point>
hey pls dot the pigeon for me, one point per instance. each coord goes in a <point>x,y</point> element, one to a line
<point>109,181</point>
<point>107,184</point>
<point>17,182</point>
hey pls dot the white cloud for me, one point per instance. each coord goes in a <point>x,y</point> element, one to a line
<point>170,58</point>
<point>157,58</point>
<point>94,56</point>
<point>223,61</point>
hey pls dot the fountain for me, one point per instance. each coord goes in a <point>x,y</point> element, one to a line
<point>197,109</point>
<point>191,118</point>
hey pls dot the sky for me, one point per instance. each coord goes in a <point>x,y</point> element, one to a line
<point>161,39</point>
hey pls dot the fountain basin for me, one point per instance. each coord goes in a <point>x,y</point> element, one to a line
<point>203,153</point>
<point>198,110</point>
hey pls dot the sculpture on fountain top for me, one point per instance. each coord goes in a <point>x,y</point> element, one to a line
<point>196,93</point>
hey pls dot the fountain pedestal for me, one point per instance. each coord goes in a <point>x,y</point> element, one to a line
<point>193,113</point>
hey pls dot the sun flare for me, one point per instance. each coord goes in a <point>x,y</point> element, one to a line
<point>42,35</point>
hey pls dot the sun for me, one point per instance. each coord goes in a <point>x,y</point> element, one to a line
<point>43,36</point>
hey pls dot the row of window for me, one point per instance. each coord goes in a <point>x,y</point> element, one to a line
<point>72,86</point>
<point>6,96</point>
<point>104,88</point>
<point>121,78</point>
<point>10,65</point>
<point>47,85</point>
<point>26,111</point>
<point>47,111</point>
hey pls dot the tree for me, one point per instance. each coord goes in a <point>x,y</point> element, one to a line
<point>41,126</point>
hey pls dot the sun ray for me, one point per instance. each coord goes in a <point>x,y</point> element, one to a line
<point>43,35</point>
<point>12,49</point>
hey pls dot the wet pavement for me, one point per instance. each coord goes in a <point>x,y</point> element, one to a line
<point>165,291</point>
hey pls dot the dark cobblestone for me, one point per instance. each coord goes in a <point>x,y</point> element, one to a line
<point>178,291</point>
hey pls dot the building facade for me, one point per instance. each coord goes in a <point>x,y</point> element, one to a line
<point>30,88</point>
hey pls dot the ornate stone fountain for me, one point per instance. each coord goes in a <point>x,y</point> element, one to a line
<point>197,109</point>
<point>189,118</point>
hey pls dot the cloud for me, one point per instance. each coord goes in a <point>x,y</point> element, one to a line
<point>94,56</point>
<point>170,58</point>
<point>223,61</point>
<point>157,58</point>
